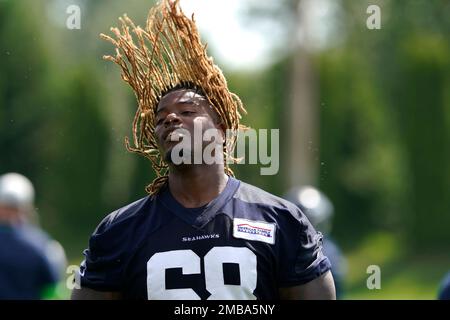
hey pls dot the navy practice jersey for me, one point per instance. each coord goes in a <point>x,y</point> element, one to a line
<point>245,244</point>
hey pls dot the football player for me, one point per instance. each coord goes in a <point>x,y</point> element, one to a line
<point>200,233</point>
<point>31,262</point>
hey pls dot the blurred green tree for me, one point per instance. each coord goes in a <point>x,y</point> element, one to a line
<point>384,119</point>
<point>24,64</point>
<point>51,126</point>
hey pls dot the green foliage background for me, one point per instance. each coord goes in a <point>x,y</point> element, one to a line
<point>384,106</point>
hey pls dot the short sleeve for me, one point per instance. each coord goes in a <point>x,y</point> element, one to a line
<point>102,267</point>
<point>112,245</point>
<point>301,257</point>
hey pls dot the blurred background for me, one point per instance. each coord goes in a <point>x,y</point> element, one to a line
<point>364,116</point>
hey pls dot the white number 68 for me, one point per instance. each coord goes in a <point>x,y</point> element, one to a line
<point>189,262</point>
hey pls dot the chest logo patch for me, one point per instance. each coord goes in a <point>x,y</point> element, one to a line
<point>254,230</point>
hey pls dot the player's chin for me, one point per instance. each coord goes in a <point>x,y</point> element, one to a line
<point>168,155</point>
<point>179,157</point>
<point>172,156</point>
<point>167,151</point>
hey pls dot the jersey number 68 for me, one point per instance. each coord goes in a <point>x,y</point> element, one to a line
<point>190,263</point>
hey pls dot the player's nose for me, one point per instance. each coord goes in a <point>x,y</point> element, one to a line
<point>172,118</point>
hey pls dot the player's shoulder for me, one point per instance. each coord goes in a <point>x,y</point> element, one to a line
<point>125,215</point>
<point>256,204</point>
<point>120,230</point>
<point>254,195</point>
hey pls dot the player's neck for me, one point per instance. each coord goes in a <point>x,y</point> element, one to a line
<point>198,185</point>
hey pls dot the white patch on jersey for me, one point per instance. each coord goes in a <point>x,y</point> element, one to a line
<point>254,230</point>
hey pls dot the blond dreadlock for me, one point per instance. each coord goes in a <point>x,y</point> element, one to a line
<point>167,54</point>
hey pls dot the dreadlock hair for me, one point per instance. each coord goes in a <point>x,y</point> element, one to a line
<point>168,54</point>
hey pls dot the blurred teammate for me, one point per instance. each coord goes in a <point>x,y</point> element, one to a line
<point>319,210</point>
<point>201,233</point>
<point>444,290</point>
<point>31,263</point>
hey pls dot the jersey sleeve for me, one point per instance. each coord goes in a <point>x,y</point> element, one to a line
<point>103,265</point>
<point>301,258</point>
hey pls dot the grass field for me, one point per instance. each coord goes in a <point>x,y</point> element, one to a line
<point>403,276</point>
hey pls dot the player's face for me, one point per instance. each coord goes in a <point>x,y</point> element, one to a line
<point>9,214</point>
<point>182,109</point>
